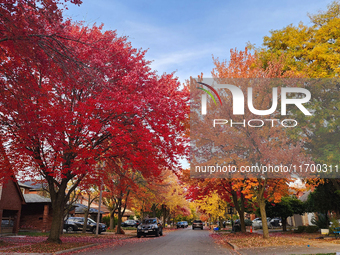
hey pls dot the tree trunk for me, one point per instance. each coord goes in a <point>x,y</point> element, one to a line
<point>153,208</point>
<point>58,204</point>
<point>239,209</point>
<point>89,202</point>
<point>119,214</point>
<point>284,224</point>
<point>112,220</point>
<point>164,210</point>
<point>262,205</point>
<point>85,220</point>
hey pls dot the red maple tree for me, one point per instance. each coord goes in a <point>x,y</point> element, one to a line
<point>59,122</point>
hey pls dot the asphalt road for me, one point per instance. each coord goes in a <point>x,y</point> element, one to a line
<point>181,242</point>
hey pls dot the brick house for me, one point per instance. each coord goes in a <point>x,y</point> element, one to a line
<point>37,212</point>
<point>11,202</point>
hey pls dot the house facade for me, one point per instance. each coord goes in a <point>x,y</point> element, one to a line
<point>11,202</point>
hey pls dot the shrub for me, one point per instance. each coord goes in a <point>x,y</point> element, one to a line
<point>300,229</point>
<point>321,220</point>
<point>106,220</point>
<point>248,222</point>
<point>312,229</point>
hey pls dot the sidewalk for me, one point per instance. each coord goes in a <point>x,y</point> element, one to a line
<point>288,250</point>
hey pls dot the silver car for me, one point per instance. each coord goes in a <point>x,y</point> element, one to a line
<point>257,223</point>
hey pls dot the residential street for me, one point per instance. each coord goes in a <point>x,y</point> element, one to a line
<point>186,241</point>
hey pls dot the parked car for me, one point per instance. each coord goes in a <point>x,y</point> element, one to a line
<point>77,224</point>
<point>7,223</point>
<point>182,224</point>
<point>150,226</point>
<point>276,222</point>
<point>257,223</point>
<point>237,224</point>
<point>197,224</point>
<point>129,223</point>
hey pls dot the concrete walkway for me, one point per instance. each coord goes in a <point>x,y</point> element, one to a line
<point>288,250</point>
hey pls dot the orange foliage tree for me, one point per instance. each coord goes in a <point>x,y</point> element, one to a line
<point>242,145</point>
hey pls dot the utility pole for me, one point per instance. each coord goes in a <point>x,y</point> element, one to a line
<point>98,216</point>
<point>100,201</point>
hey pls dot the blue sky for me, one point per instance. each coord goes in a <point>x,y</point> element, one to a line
<point>183,35</point>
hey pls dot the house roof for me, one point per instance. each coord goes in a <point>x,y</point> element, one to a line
<point>35,198</point>
<point>80,208</point>
<point>304,197</point>
<point>18,189</point>
<point>33,185</point>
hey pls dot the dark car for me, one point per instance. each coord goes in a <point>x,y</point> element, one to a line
<point>150,226</point>
<point>77,224</point>
<point>197,224</point>
<point>130,223</point>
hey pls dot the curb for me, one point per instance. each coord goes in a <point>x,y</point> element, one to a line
<point>81,247</point>
<point>18,253</point>
<point>75,249</point>
<point>234,246</point>
<point>59,252</point>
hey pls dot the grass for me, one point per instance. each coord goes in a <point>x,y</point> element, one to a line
<point>32,233</point>
<point>129,228</point>
<point>5,244</point>
<point>45,247</point>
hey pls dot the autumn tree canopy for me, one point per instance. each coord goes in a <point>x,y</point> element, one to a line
<point>59,122</point>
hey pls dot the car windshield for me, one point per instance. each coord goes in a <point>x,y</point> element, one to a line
<point>197,221</point>
<point>91,221</point>
<point>149,221</point>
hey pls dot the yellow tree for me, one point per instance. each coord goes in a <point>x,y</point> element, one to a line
<point>313,51</point>
<point>213,205</point>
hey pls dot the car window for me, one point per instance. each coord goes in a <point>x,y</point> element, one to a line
<point>149,221</point>
<point>91,221</point>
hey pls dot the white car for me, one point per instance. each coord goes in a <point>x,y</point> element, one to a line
<point>257,223</point>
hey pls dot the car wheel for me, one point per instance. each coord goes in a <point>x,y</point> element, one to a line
<point>202,228</point>
<point>138,235</point>
<point>69,229</point>
<point>157,233</point>
<point>94,230</point>
<point>161,233</point>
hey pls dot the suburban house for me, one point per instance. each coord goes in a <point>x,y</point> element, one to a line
<point>80,210</point>
<point>27,206</point>
<point>104,211</point>
<point>304,219</point>
<point>37,211</point>
<point>11,202</point>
